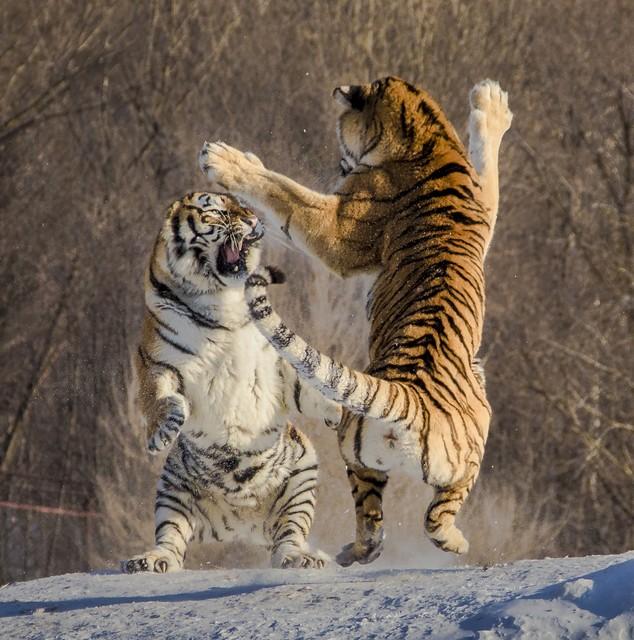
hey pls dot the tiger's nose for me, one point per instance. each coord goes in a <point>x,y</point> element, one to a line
<point>251,226</point>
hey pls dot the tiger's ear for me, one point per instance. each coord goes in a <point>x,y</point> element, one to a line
<point>173,208</point>
<point>276,275</point>
<point>351,96</point>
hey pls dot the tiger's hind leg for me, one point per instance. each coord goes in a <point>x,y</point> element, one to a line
<point>175,523</point>
<point>489,118</point>
<point>441,515</point>
<point>367,490</point>
<point>291,515</point>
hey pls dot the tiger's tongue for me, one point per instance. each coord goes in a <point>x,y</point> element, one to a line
<point>232,255</point>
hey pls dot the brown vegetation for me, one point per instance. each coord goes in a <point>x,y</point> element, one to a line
<point>102,111</point>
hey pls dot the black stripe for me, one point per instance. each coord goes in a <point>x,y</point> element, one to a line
<point>427,150</point>
<point>175,548</point>
<point>179,242</point>
<point>184,483</point>
<point>427,110</point>
<point>352,385</point>
<point>283,488</point>
<point>361,498</point>
<point>461,218</point>
<point>169,496</point>
<point>287,533</point>
<point>446,170</point>
<point>457,331</point>
<point>309,515</point>
<point>159,321</point>
<point>244,475</point>
<point>172,343</point>
<point>290,504</point>
<point>176,510</point>
<point>174,525</point>
<point>373,142</point>
<point>282,336</point>
<point>256,280</point>
<point>258,312</point>
<point>391,401</point>
<point>145,356</point>
<point>225,523</point>
<point>358,439</point>
<point>374,481</point>
<point>165,292</point>
<point>297,390</point>
<point>285,229</point>
<point>284,522</point>
<point>335,373</point>
<point>310,361</point>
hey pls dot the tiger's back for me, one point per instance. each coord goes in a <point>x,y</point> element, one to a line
<point>426,310</point>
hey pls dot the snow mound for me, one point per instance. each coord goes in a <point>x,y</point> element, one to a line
<point>569,598</point>
<point>597,605</point>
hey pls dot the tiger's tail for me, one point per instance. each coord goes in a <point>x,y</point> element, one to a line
<point>359,392</point>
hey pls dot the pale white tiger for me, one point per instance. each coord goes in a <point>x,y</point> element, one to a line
<point>215,391</point>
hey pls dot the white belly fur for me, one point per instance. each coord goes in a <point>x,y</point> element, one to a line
<point>235,390</point>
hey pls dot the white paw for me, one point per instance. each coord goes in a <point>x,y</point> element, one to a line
<point>457,543</point>
<point>450,539</point>
<point>157,560</point>
<point>490,114</point>
<point>227,168</point>
<point>297,559</point>
<point>171,414</point>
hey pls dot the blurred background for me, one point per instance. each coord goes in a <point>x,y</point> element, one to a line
<point>103,107</point>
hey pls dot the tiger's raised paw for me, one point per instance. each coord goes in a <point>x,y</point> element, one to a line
<point>157,561</point>
<point>490,114</point>
<point>297,559</point>
<point>226,167</point>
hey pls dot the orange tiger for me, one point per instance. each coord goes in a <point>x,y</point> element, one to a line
<point>417,211</point>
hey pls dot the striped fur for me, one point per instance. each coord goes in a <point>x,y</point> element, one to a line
<point>412,210</point>
<point>214,392</point>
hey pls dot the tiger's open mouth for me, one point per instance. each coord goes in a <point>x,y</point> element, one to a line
<point>232,257</point>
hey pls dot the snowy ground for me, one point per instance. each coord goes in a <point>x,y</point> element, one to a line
<point>576,598</point>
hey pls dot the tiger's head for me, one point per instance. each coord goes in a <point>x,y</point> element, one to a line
<point>211,242</point>
<point>388,119</point>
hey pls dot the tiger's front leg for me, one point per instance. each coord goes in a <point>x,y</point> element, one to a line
<point>489,119</point>
<point>164,408</point>
<point>308,220</point>
<point>289,208</point>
